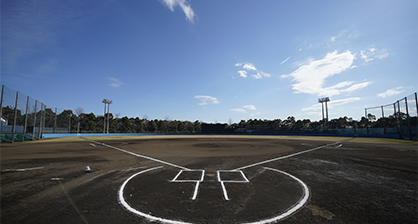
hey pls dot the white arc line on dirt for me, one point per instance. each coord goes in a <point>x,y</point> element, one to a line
<point>137,155</point>
<point>284,157</point>
<point>129,208</point>
<point>297,206</point>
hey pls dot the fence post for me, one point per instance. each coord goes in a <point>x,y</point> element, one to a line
<point>416,101</point>
<point>1,107</point>
<point>69,123</point>
<point>34,120</point>
<point>367,120</point>
<point>26,116</point>
<point>407,117</point>
<point>384,121</point>
<point>41,121</point>
<point>400,121</point>
<point>55,121</point>
<point>14,119</point>
<point>1,102</point>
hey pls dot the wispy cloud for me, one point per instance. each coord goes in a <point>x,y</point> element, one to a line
<point>250,67</point>
<point>372,54</point>
<point>206,100</point>
<point>115,82</point>
<point>242,110</point>
<point>332,103</point>
<point>391,92</point>
<point>310,77</point>
<point>239,110</point>
<point>188,11</point>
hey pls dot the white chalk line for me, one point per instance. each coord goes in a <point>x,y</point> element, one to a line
<point>292,210</point>
<point>287,156</point>
<point>21,170</point>
<point>196,189</point>
<point>218,172</point>
<point>129,208</point>
<point>137,155</point>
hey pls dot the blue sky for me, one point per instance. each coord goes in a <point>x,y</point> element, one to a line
<point>211,60</point>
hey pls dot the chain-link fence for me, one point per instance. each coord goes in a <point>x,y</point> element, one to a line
<point>24,118</point>
<point>398,118</point>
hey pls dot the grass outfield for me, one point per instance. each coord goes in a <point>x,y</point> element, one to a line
<point>284,137</point>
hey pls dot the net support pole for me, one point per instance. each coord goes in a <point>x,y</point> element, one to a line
<point>55,121</point>
<point>26,115</point>
<point>367,120</point>
<point>416,102</point>
<point>15,118</point>
<point>384,121</point>
<point>400,120</point>
<point>408,120</point>
<point>34,120</point>
<point>2,96</point>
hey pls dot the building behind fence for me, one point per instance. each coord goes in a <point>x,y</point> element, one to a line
<point>24,118</point>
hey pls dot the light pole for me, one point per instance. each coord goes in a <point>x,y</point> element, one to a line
<point>108,102</point>
<point>322,100</point>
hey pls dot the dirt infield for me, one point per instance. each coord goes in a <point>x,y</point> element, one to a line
<point>209,179</point>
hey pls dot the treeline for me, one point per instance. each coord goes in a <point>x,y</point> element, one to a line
<point>78,121</point>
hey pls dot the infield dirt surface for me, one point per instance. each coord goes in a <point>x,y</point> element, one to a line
<point>209,179</point>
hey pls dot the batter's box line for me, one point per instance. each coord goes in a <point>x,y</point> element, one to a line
<point>245,180</point>
<point>196,189</point>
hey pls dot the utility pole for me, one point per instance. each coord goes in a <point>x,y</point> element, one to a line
<point>322,101</point>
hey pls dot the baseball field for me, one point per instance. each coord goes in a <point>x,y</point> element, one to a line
<point>209,179</point>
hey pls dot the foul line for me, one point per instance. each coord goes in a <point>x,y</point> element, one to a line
<point>137,155</point>
<point>21,170</point>
<point>284,157</point>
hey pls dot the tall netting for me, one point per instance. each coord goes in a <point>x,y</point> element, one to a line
<point>398,118</point>
<point>407,117</point>
<point>8,103</point>
<point>24,118</point>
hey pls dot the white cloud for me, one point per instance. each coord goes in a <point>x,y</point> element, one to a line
<point>242,73</point>
<point>115,82</point>
<point>206,100</point>
<point>188,11</point>
<point>332,103</point>
<point>391,92</point>
<point>356,87</point>
<point>310,77</point>
<point>242,110</point>
<point>258,76</point>
<point>239,110</point>
<point>249,107</point>
<point>249,67</point>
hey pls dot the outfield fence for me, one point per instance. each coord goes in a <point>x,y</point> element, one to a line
<point>24,118</point>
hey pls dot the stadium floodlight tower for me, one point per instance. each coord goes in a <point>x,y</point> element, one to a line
<point>322,101</point>
<point>108,102</point>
